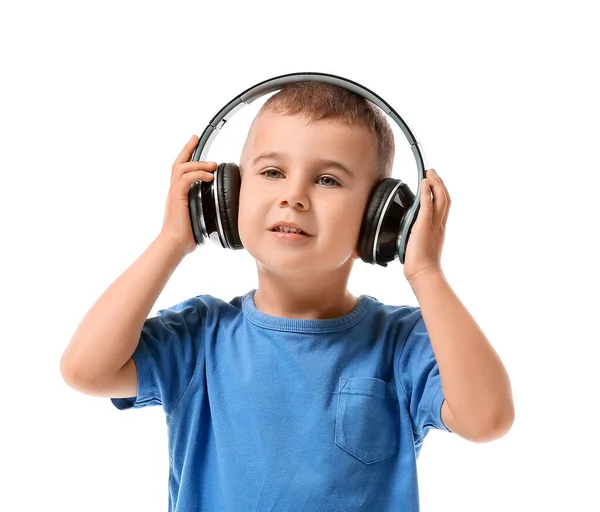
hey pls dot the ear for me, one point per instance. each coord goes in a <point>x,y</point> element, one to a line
<point>356,254</point>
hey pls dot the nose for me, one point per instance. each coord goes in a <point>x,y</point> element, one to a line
<point>294,196</point>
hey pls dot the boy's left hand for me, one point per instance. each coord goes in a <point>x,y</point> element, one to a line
<point>424,250</point>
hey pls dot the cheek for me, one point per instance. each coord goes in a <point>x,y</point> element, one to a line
<point>248,212</point>
<point>242,214</point>
<point>348,217</point>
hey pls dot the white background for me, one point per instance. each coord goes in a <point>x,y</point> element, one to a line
<point>97,99</point>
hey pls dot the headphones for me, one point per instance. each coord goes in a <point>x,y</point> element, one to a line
<point>391,210</point>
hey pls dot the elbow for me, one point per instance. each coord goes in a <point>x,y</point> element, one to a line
<point>69,373</point>
<point>65,371</point>
<point>497,428</point>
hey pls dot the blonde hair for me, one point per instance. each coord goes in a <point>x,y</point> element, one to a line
<point>318,101</point>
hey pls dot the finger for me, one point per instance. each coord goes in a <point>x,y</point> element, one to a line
<point>439,195</point>
<point>187,151</point>
<point>426,204</point>
<point>180,169</point>
<point>444,206</point>
<point>189,178</point>
<point>185,167</point>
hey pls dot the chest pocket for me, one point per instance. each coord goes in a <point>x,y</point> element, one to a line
<point>367,423</point>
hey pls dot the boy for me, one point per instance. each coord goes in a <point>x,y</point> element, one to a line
<point>297,395</point>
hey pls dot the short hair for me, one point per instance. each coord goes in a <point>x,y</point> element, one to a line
<point>318,101</point>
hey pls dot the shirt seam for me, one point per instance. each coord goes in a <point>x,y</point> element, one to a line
<point>174,408</point>
<point>402,352</point>
<point>350,323</point>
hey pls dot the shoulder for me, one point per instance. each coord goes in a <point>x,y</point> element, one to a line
<point>397,311</point>
<point>205,303</point>
<point>400,319</point>
<point>189,315</point>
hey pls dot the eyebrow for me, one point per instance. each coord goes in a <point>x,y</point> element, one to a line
<point>322,162</point>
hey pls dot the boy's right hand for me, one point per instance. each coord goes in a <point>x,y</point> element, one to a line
<point>177,227</point>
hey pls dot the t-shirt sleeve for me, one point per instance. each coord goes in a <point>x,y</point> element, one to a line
<point>170,348</point>
<point>419,377</point>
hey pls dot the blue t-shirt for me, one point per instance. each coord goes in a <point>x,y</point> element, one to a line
<point>269,413</point>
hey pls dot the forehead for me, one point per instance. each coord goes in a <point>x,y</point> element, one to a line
<point>296,136</point>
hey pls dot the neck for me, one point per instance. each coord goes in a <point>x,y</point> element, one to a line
<point>313,298</point>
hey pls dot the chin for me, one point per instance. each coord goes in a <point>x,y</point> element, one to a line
<point>285,266</point>
<point>298,265</point>
<point>280,258</point>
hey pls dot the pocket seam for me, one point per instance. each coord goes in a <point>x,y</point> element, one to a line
<point>374,396</point>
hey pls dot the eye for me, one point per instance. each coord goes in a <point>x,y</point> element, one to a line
<point>336,182</point>
<point>264,173</point>
<point>332,181</point>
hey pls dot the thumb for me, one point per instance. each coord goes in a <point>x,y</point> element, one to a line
<point>426,204</point>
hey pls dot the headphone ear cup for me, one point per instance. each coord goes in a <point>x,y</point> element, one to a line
<point>229,198</point>
<point>195,209</point>
<point>373,213</point>
<point>384,221</point>
<point>406,199</point>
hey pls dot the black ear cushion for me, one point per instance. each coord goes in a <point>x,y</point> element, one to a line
<point>229,198</point>
<point>194,213</point>
<point>371,217</point>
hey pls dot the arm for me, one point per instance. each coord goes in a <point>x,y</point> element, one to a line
<point>479,405</point>
<point>109,333</point>
<point>476,387</point>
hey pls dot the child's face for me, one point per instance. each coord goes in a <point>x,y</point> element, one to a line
<point>299,189</point>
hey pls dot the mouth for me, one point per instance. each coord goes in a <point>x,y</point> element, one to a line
<point>287,234</point>
<point>290,229</point>
<point>281,231</point>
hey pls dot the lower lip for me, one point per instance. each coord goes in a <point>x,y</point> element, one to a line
<point>290,237</point>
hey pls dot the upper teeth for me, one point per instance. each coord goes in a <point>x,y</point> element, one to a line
<point>288,230</point>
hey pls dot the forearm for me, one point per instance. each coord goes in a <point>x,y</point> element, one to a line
<point>109,333</point>
<point>475,383</point>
